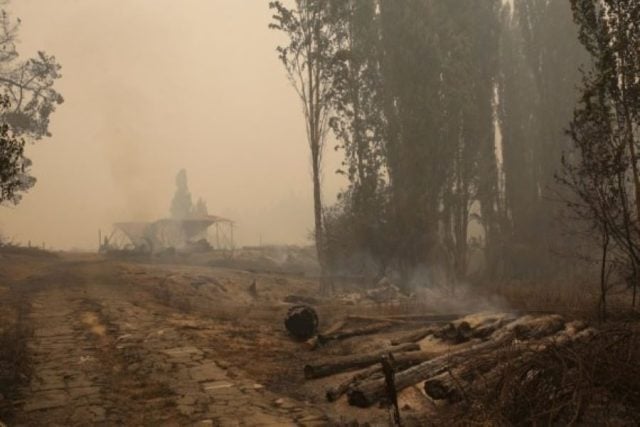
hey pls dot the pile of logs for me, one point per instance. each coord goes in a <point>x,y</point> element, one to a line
<point>476,341</point>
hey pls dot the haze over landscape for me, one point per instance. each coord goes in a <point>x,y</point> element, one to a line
<point>153,86</point>
<point>319,212</point>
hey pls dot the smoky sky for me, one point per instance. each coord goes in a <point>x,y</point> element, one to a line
<point>153,86</point>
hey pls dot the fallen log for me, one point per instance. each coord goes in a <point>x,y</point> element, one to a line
<point>381,319</point>
<point>301,321</point>
<point>451,385</point>
<point>428,318</point>
<point>455,333</point>
<point>369,392</point>
<point>529,327</point>
<point>414,336</point>
<point>402,361</point>
<point>334,393</point>
<point>337,365</point>
<point>485,330</point>
<point>353,332</point>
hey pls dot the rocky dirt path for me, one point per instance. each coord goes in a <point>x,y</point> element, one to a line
<point>102,353</point>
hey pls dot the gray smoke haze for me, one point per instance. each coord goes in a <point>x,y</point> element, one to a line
<point>154,86</point>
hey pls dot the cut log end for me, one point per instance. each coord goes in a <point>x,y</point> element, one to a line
<point>359,399</point>
<point>301,322</point>
<point>436,390</point>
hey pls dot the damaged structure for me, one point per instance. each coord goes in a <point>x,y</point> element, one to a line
<point>187,230</point>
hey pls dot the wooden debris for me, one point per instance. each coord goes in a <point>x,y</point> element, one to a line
<point>402,361</point>
<point>381,319</point>
<point>483,372</point>
<point>334,393</point>
<point>337,365</point>
<point>371,391</point>
<point>414,336</point>
<point>347,333</point>
<point>392,393</point>
<point>426,318</point>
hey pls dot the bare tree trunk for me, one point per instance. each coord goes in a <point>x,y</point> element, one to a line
<point>317,215</point>
<point>603,274</point>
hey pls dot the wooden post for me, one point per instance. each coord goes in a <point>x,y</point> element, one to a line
<point>392,394</point>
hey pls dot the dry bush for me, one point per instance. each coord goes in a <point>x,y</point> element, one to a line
<point>595,382</point>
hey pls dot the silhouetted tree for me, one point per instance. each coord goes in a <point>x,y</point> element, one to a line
<point>30,98</point>
<point>181,205</point>
<point>14,166</point>
<point>308,58</point>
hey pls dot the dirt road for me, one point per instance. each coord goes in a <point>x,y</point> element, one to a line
<point>104,351</point>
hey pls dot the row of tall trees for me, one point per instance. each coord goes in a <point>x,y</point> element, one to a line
<point>452,123</point>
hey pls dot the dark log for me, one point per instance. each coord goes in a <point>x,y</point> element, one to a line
<point>484,330</point>
<point>448,385</point>
<point>337,365</point>
<point>382,319</point>
<point>369,392</point>
<point>455,333</point>
<point>530,327</point>
<point>402,361</point>
<point>452,385</point>
<point>414,336</point>
<point>427,318</point>
<point>334,393</point>
<point>322,339</point>
<point>301,322</point>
